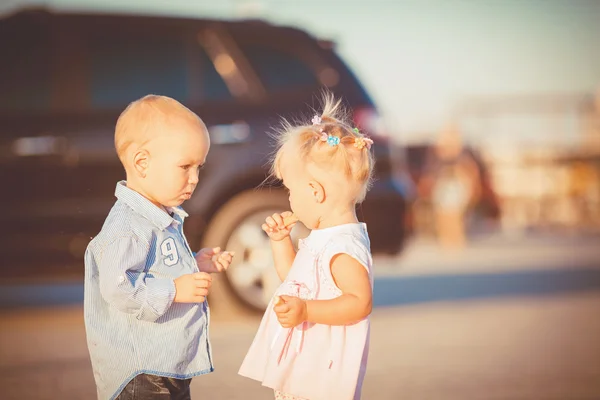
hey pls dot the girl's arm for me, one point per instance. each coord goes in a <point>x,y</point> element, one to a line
<point>278,227</point>
<point>353,305</point>
<point>356,301</point>
<point>283,256</point>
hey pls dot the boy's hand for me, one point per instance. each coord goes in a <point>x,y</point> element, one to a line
<point>213,260</point>
<point>291,311</point>
<point>192,288</point>
<point>279,226</point>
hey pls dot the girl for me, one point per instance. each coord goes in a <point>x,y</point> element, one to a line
<point>314,337</point>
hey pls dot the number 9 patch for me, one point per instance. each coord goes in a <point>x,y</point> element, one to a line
<point>169,251</point>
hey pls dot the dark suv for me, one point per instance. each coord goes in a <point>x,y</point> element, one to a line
<point>64,79</point>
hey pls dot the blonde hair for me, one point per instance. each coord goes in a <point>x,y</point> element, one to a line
<point>134,122</point>
<point>349,152</point>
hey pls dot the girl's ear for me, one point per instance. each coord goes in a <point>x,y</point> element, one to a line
<point>317,191</point>
<point>141,160</point>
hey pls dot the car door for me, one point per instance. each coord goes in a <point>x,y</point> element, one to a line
<point>67,79</point>
<point>36,161</point>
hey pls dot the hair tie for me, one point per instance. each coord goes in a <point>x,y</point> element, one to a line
<point>362,142</point>
<point>333,140</point>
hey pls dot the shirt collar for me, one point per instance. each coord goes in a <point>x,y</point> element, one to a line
<point>146,208</point>
<point>180,212</point>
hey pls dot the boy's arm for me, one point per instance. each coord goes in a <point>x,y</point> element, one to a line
<point>283,256</point>
<point>125,285</point>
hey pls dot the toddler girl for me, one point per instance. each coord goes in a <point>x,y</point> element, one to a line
<point>313,340</point>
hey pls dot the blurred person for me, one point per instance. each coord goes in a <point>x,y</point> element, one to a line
<point>427,163</point>
<point>145,308</point>
<point>450,198</point>
<point>584,190</point>
<point>313,340</point>
<point>584,173</point>
<point>455,187</point>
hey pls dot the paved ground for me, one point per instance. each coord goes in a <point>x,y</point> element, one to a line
<point>510,319</point>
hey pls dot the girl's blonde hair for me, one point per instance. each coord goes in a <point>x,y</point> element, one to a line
<point>332,143</point>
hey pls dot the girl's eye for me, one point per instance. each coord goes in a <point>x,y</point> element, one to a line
<point>185,167</point>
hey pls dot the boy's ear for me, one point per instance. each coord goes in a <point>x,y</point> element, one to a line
<point>140,162</point>
<point>317,191</point>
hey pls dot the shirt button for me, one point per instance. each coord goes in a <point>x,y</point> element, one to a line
<point>121,279</point>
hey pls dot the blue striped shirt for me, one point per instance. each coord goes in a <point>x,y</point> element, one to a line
<point>132,324</point>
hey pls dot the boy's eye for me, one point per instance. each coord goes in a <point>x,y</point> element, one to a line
<point>188,166</point>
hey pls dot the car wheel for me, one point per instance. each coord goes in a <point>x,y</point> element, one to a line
<point>251,279</point>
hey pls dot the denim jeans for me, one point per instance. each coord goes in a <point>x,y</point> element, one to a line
<point>145,386</point>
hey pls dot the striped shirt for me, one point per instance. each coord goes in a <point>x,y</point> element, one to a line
<point>132,324</point>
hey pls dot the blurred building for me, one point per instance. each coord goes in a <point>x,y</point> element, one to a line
<point>543,153</point>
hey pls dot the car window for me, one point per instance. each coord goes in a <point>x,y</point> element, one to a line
<point>212,86</point>
<point>126,67</point>
<point>25,66</point>
<point>278,69</point>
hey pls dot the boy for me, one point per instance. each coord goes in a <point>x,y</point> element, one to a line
<point>146,317</point>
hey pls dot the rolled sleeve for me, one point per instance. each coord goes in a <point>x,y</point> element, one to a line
<point>125,284</point>
<point>160,294</point>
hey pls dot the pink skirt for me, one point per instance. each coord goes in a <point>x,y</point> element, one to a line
<point>311,361</point>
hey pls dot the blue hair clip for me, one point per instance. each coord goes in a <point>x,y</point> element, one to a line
<point>333,140</point>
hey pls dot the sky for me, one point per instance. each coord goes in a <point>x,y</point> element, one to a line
<point>420,59</point>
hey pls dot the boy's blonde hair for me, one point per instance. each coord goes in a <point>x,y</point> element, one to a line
<point>331,143</point>
<point>133,123</point>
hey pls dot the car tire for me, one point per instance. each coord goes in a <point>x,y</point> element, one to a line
<point>237,221</point>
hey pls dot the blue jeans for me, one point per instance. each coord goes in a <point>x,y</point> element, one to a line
<point>145,386</point>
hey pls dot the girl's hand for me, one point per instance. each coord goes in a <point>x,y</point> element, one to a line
<point>291,311</point>
<point>213,260</point>
<point>279,226</point>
